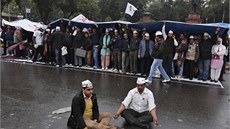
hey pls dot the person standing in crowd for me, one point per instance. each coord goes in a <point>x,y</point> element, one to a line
<point>48,48</point>
<point>115,43</point>
<point>78,38</point>
<point>143,33</point>
<point>180,50</point>
<point>226,56</point>
<point>58,40</point>
<point>191,57</point>
<point>158,54</point>
<point>87,45</point>
<point>144,53</point>
<point>205,55</point>
<point>96,47</point>
<point>84,111</point>
<point>105,51</point>
<point>124,47</point>
<point>38,38</point>
<point>134,45</point>
<point>139,108</point>
<point>69,45</point>
<point>9,40</point>
<point>217,62</point>
<point>169,50</point>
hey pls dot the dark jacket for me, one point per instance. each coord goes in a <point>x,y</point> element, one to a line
<point>158,50</point>
<point>124,45</point>
<point>95,39</point>
<point>87,44</point>
<point>169,47</point>
<point>76,120</point>
<point>58,39</point>
<point>78,40</point>
<point>205,48</point>
<point>68,39</point>
<point>134,44</point>
<point>115,42</point>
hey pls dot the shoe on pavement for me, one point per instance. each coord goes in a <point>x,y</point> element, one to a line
<point>148,81</point>
<point>165,81</point>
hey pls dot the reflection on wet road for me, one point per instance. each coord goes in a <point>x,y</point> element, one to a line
<point>29,95</point>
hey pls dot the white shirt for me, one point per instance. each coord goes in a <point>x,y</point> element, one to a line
<point>38,37</point>
<point>139,102</point>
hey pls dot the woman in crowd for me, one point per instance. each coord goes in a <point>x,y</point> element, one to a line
<point>218,51</point>
<point>87,45</point>
<point>105,51</point>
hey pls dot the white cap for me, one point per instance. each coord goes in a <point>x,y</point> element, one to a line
<point>48,30</point>
<point>85,30</point>
<point>106,30</point>
<point>58,28</point>
<point>87,83</point>
<point>158,33</point>
<point>141,81</point>
<point>147,34</point>
<point>191,37</point>
<point>135,32</point>
<point>170,32</point>
<point>115,30</point>
<point>206,34</point>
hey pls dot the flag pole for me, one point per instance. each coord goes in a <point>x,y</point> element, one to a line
<point>123,18</point>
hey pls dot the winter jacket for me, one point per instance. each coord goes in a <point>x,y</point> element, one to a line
<point>76,120</point>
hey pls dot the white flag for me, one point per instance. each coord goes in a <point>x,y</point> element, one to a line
<point>130,9</point>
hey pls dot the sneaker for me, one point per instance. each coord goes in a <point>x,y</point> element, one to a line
<point>57,66</point>
<point>179,77</point>
<point>94,67</point>
<point>115,70</point>
<point>148,81</point>
<point>165,81</point>
<point>106,68</point>
<point>157,76</point>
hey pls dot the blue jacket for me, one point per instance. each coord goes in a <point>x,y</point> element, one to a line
<point>142,47</point>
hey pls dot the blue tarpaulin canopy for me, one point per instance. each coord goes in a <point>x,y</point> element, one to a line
<point>196,28</point>
<point>175,26</point>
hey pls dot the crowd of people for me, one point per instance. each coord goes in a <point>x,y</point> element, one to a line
<point>124,49</point>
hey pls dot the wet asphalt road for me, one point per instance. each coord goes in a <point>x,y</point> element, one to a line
<point>29,94</point>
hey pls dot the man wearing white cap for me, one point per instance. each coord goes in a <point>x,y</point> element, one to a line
<point>84,111</point>
<point>191,57</point>
<point>138,108</point>
<point>58,40</point>
<point>124,48</point>
<point>158,53</point>
<point>134,45</point>
<point>169,50</point>
<point>144,53</point>
<point>205,54</point>
<point>115,43</point>
<point>38,37</point>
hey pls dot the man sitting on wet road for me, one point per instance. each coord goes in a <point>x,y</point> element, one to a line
<point>84,111</point>
<point>139,107</point>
